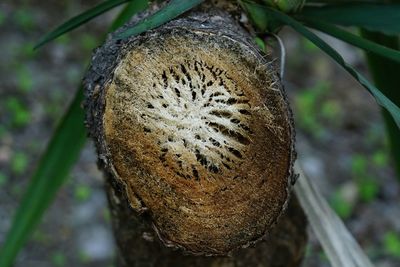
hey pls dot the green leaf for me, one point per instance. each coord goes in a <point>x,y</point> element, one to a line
<point>169,12</point>
<point>260,19</point>
<point>52,171</point>
<point>58,259</point>
<point>82,192</point>
<point>379,96</point>
<point>353,39</point>
<point>340,205</point>
<point>392,244</point>
<point>260,44</point>
<point>131,8</point>
<point>385,74</point>
<point>61,154</point>
<point>257,16</point>
<point>377,17</point>
<point>79,20</point>
<point>287,6</point>
<point>19,163</point>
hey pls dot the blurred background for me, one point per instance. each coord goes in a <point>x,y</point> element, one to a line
<point>341,140</point>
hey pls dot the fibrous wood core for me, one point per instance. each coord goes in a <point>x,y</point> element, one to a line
<point>192,120</point>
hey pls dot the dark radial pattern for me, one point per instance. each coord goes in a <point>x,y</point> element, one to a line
<point>198,111</point>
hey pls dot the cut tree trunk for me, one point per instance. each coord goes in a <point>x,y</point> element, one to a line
<point>139,246</point>
<point>196,138</point>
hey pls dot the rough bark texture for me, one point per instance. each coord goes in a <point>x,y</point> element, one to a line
<point>139,246</point>
<point>192,125</point>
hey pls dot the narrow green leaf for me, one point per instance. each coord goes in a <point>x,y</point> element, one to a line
<point>61,154</point>
<point>377,17</point>
<point>131,8</point>
<point>257,16</point>
<point>260,19</point>
<point>353,39</point>
<point>386,76</point>
<point>169,12</point>
<point>379,96</point>
<point>79,20</point>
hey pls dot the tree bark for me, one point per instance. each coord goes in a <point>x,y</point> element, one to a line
<point>138,245</point>
<point>196,137</point>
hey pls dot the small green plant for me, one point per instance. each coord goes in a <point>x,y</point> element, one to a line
<point>368,186</point>
<point>342,207</point>
<point>331,112</point>
<point>308,108</point>
<point>19,163</point>
<point>380,159</point>
<point>315,113</point>
<point>23,18</point>
<point>20,115</point>
<point>391,243</point>
<point>58,259</point>
<point>82,192</point>
<point>24,78</point>
<point>369,189</point>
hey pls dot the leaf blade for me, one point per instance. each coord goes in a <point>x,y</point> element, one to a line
<point>43,186</point>
<point>257,16</point>
<point>385,75</point>
<point>79,20</point>
<point>353,39</point>
<point>16,237</point>
<point>297,26</point>
<point>131,8</point>
<point>377,17</point>
<point>171,11</point>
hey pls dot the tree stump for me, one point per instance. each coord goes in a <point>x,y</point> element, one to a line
<point>196,137</point>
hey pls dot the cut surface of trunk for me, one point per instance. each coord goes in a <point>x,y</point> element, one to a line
<point>138,245</point>
<point>191,120</point>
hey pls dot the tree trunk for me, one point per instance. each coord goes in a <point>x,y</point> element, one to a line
<point>196,137</point>
<point>139,246</point>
